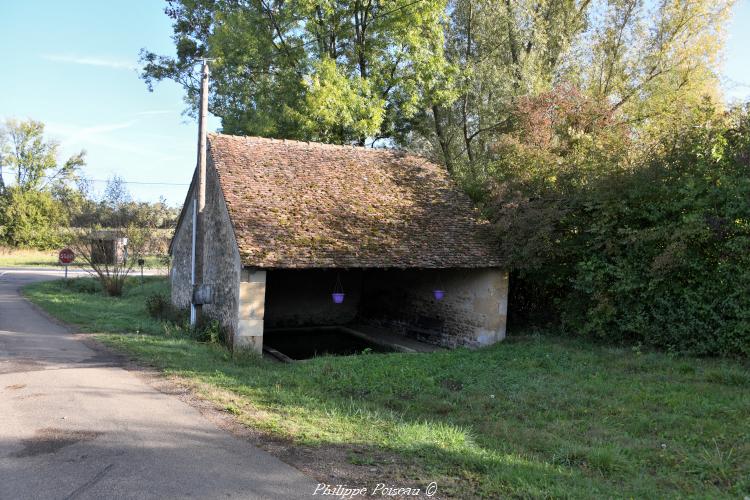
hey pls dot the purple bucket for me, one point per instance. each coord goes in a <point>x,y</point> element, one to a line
<point>338,298</point>
<point>439,294</point>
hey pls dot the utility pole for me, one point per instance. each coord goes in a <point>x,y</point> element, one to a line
<point>199,200</point>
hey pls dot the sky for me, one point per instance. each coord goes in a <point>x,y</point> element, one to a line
<point>73,66</point>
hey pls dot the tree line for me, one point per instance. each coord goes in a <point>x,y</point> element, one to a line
<point>42,197</point>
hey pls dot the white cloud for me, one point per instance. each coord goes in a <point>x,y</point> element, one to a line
<point>77,134</point>
<point>104,62</point>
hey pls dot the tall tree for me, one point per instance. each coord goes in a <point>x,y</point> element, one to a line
<point>650,60</point>
<point>332,70</point>
<point>657,60</point>
<point>32,158</point>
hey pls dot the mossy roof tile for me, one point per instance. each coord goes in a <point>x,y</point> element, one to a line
<point>309,205</point>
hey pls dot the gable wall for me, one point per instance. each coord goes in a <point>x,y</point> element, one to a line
<point>221,267</point>
<point>181,250</point>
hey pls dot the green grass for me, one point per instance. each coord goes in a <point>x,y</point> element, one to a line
<point>530,417</point>
<point>81,302</point>
<point>29,257</point>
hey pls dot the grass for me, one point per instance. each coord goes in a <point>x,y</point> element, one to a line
<point>530,417</point>
<point>81,302</point>
<point>29,257</point>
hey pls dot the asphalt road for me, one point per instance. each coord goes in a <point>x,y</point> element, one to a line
<point>74,424</point>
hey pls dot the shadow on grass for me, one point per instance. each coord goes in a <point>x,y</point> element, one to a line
<point>540,417</point>
<point>531,417</point>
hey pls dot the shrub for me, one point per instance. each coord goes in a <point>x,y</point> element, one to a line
<point>649,247</point>
<point>666,260</point>
<point>161,308</point>
<point>30,218</point>
<point>209,331</point>
<point>156,304</point>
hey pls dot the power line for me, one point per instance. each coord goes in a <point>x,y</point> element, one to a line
<point>142,183</point>
<point>145,183</point>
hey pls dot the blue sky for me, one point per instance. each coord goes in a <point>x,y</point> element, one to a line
<point>72,65</point>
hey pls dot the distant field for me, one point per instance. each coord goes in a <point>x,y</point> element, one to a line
<point>29,257</point>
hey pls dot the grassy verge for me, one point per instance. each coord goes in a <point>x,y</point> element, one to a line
<point>81,302</point>
<point>29,257</point>
<point>531,417</point>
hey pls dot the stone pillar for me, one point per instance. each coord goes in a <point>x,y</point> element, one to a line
<point>490,304</point>
<point>249,333</point>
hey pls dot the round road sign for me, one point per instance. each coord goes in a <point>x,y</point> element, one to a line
<point>66,256</point>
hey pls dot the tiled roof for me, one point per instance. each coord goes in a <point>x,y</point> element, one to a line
<point>302,205</point>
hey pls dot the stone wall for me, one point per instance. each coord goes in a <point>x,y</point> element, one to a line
<point>472,313</point>
<point>221,267</point>
<point>182,289</point>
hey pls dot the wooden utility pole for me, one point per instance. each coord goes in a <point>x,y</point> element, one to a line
<point>200,195</point>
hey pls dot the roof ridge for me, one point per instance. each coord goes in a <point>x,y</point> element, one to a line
<point>316,144</point>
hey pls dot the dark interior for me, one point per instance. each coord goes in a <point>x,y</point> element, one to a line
<point>305,343</point>
<point>398,300</point>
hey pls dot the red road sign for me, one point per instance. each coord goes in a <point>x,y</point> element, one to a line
<point>66,256</point>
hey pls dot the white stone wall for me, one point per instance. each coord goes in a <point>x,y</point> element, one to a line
<point>252,307</point>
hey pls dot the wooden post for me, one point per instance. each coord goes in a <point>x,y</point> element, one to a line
<point>200,194</point>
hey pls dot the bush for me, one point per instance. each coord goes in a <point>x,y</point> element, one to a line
<point>667,260</point>
<point>650,247</point>
<point>31,219</point>
<point>156,304</point>
<point>161,308</point>
<point>209,331</point>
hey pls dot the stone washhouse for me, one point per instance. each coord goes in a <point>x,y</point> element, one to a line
<point>289,224</point>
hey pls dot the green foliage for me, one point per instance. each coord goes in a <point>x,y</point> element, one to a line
<point>31,218</point>
<point>208,331</point>
<point>160,307</point>
<point>626,245</point>
<point>31,214</point>
<point>32,159</point>
<point>666,260</point>
<point>157,305</point>
<point>339,71</point>
<point>650,61</point>
<point>337,106</point>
